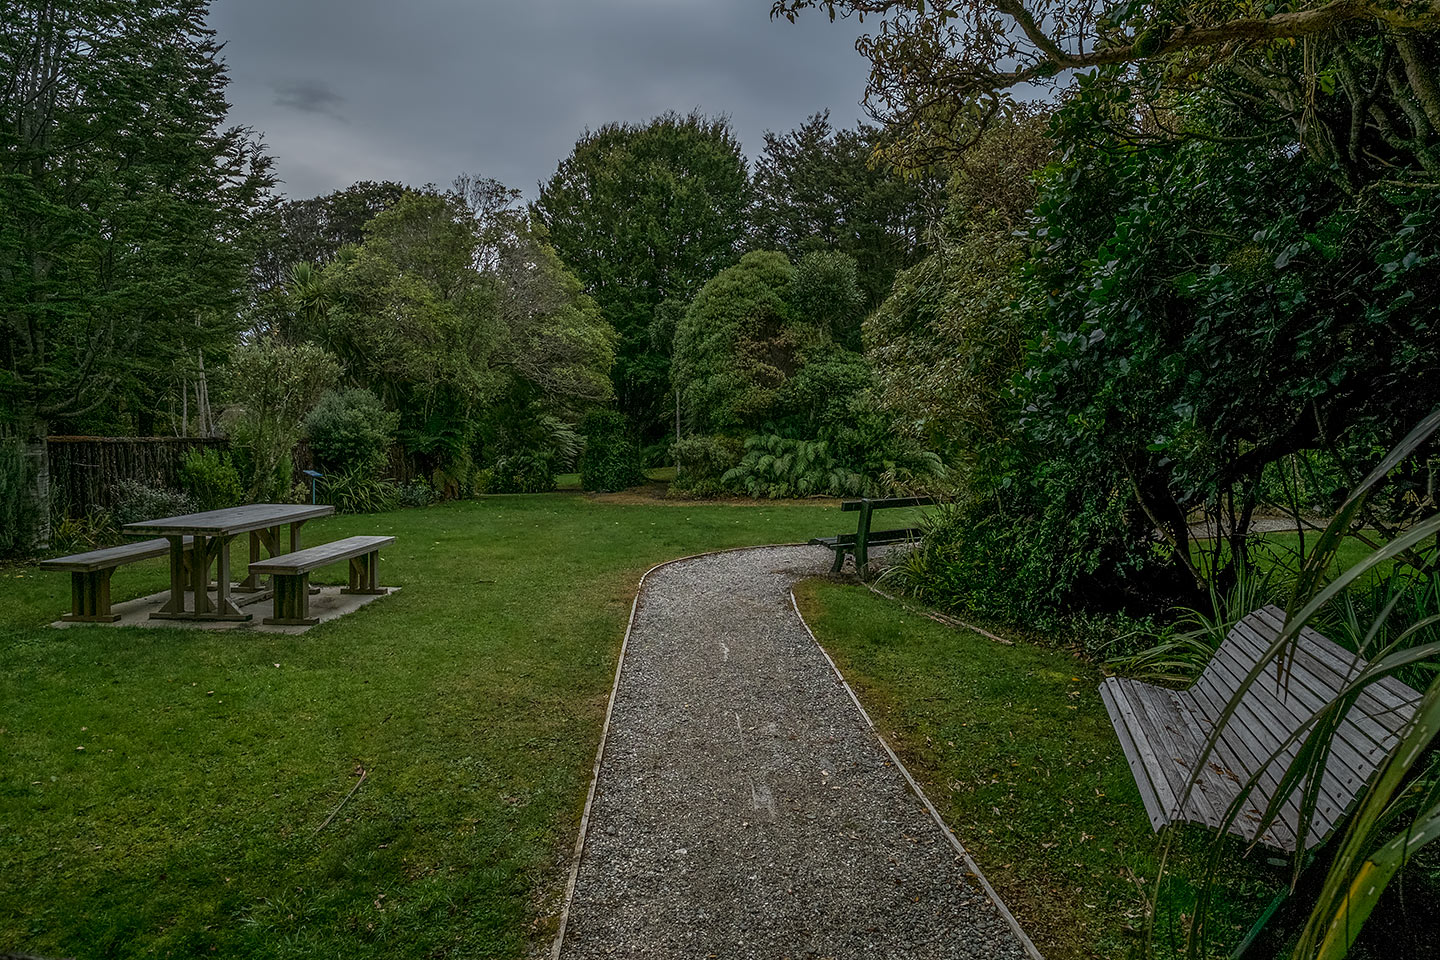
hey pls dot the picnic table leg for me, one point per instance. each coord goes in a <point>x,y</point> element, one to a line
<point>223,604</point>
<point>269,539</point>
<point>200,574</point>
<point>176,603</point>
<point>862,535</point>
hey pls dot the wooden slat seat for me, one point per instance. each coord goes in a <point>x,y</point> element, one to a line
<point>291,573</point>
<point>90,576</point>
<point>860,542</point>
<point>1163,733</point>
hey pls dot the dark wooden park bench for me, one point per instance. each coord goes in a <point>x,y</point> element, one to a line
<point>1163,733</point>
<point>90,576</point>
<point>290,575</point>
<point>860,542</point>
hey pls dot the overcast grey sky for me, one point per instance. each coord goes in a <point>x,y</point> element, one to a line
<point>419,90</point>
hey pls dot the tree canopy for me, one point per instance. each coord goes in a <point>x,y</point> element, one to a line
<point>818,188</point>
<point>125,235</point>
<point>642,214</point>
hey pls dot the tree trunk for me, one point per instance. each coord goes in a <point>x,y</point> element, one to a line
<point>37,453</point>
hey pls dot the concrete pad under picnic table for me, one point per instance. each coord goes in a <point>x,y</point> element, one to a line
<point>329,604</point>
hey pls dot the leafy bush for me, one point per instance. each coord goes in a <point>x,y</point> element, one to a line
<point>526,449</point>
<point>1037,560</point>
<point>274,385</point>
<point>73,534</point>
<point>360,491</point>
<point>867,459</point>
<point>701,461</point>
<point>521,473</point>
<point>611,460</point>
<point>416,493</point>
<point>210,478</point>
<point>136,501</point>
<point>18,518</point>
<point>351,429</point>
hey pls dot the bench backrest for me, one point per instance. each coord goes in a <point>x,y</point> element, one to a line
<point>1273,708</point>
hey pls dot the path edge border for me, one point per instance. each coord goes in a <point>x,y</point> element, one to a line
<point>579,853</point>
<point>1030,949</point>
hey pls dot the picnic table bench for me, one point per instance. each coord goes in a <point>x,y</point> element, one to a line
<point>1163,733</point>
<point>860,542</point>
<point>290,575</point>
<point>90,575</point>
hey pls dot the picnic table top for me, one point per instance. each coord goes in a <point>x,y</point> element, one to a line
<point>232,520</point>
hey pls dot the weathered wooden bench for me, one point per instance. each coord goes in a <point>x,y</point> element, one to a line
<point>1163,733</point>
<point>90,575</point>
<point>290,574</point>
<point>860,542</point>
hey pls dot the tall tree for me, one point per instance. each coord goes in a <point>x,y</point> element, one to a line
<point>127,203</point>
<point>314,229</point>
<point>643,214</point>
<point>822,189</point>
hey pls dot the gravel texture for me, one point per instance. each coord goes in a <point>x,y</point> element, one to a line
<point>744,808</point>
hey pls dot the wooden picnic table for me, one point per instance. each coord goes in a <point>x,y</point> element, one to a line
<point>212,531</point>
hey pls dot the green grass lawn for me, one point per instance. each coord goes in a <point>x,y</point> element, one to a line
<point>1014,746</point>
<point>160,789</point>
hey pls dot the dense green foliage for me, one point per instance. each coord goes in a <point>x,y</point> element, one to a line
<point>211,480</point>
<point>458,315</point>
<point>351,429</point>
<point>611,458</point>
<point>644,214</point>
<point>125,238</point>
<point>280,384</point>
<point>819,189</point>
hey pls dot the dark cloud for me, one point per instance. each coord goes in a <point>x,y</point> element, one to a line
<point>309,96</point>
<point>417,92</point>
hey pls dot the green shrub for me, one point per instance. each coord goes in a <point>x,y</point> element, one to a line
<point>700,461</point>
<point>210,478</point>
<point>866,459</point>
<point>351,430</point>
<point>1038,559</point>
<point>136,501</point>
<point>532,472</point>
<point>611,460</point>
<point>360,491</point>
<point>18,518</point>
<point>526,449</point>
<point>73,534</point>
<point>416,493</point>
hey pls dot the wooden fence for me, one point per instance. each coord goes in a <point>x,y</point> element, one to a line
<point>84,471</point>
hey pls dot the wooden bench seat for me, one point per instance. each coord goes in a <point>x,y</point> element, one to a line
<point>90,575</point>
<point>1163,733</point>
<point>291,574</point>
<point>845,542</point>
<point>860,542</point>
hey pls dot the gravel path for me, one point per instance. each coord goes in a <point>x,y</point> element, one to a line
<point>744,807</point>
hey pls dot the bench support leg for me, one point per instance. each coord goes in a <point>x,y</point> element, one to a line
<point>839,563</point>
<point>292,601</point>
<point>363,574</point>
<point>862,538</point>
<point>90,598</point>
